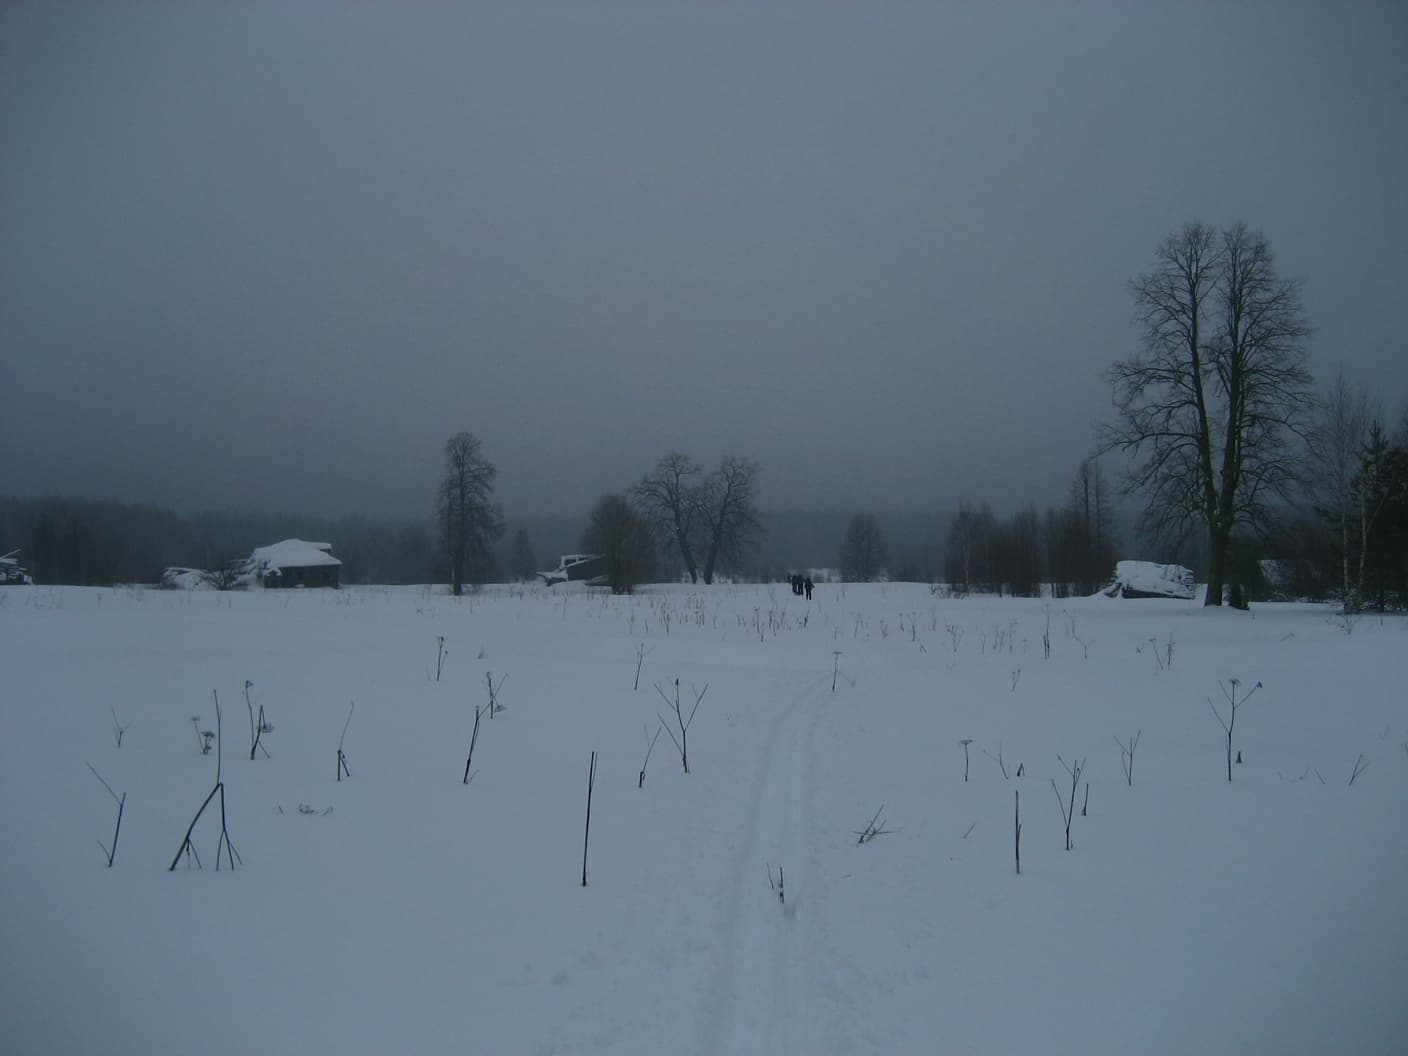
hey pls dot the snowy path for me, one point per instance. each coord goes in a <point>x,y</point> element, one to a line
<point>759,997</point>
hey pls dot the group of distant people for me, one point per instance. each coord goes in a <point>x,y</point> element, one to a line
<point>801,585</point>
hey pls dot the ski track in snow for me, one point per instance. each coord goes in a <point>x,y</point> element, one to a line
<point>759,998</point>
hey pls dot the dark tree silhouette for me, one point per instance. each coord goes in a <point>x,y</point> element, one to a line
<point>469,521</point>
<point>1339,436</point>
<point>971,538</point>
<point>622,536</point>
<point>728,505</point>
<point>1379,494</point>
<point>864,553</point>
<point>523,563</point>
<point>1079,538</point>
<point>1211,406</point>
<point>669,498</point>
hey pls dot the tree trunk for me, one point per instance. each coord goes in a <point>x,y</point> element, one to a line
<point>457,564</point>
<point>1217,565</point>
<point>688,557</point>
<point>1364,525</point>
<point>709,563</point>
<point>1349,602</point>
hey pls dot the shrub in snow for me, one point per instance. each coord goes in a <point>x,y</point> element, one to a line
<point>682,741</point>
<point>587,831</point>
<point>121,802</point>
<point>342,758</point>
<point>1127,756</point>
<point>494,706</point>
<point>118,727</point>
<point>1017,826</point>
<point>257,727</point>
<point>873,828</point>
<point>649,747</point>
<point>1068,810</point>
<point>223,845</point>
<point>473,738</point>
<point>1231,720</point>
<point>1360,765</point>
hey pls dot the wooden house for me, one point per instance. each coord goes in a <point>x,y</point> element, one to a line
<point>294,563</point>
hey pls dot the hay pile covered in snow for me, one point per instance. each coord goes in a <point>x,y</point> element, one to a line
<point>1145,579</point>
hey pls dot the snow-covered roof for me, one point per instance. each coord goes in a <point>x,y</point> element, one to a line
<point>293,553</point>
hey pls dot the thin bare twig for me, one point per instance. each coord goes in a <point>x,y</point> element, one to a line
<point>121,801</point>
<point>875,827</point>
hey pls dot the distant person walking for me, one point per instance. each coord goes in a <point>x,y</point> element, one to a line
<point>807,585</point>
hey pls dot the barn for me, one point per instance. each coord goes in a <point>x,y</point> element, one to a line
<point>294,563</point>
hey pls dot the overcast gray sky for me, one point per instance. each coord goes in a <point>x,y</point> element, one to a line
<point>270,255</point>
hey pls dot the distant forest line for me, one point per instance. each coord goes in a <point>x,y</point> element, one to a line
<point>99,543</point>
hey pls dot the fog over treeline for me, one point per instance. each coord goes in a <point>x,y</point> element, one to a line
<point>101,543</point>
<point>268,256</point>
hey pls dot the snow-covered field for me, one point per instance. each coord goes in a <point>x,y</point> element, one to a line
<point>401,910</point>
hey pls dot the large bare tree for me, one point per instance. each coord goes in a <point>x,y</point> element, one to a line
<point>668,497</point>
<point>728,508</point>
<point>469,521</point>
<point>1213,405</point>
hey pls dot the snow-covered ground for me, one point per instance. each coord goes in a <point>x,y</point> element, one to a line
<point>401,910</point>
